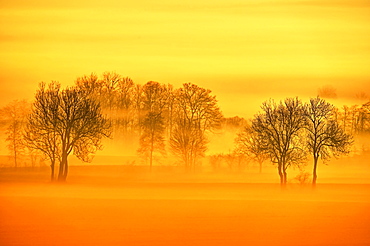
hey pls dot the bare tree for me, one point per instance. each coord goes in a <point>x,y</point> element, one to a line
<point>91,85</point>
<point>362,121</point>
<point>154,97</point>
<point>76,124</point>
<point>169,110</point>
<point>196,114</point>
<point>280,128</point>
<point>110,81</point>
<point>15,114</point>
<point>116,95</point>
<point>327,91</point>
<point>189,144</point>
<point>349,118</point>
<point>250,144</point>
<point>41,130</point>
<point>138,105</point>
<point>125,104</point>
<point>152,136</point>
<point>81,127</point>
<point>235,161</point>
<point>216,161</point>
<point>324,135</point>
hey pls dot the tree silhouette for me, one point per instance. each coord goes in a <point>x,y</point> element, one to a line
<point>41,130</point>
<point>324,135</point>
<point>91,85</point>
<point>125,105</point>
<point>361,118</point>
<point>250,144</point>
<point>152,139</point>
<point>196,114</point>
<point>152,136</point>
<point>169,110</point>
<point>327,91</point>
<point>110,82</point>
<point>116,95</point>
<point>76,123</point>
<point>189,144</point>
<point>280,128</point>
<point>15,114</point>
<point>138,106</point>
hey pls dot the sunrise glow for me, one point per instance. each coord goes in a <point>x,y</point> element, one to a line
<point>195,122</point>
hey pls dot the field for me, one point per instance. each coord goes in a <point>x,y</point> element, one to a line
<point>157,211</point>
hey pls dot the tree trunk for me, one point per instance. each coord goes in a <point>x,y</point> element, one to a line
<point>151,153</point>
<point>15,158</point>
<point>281,175</point>
<point>52,165</point>
<point>15,147</point>
<point>314,173</point>
<point>285,177</point>
<point>62,167</point>
<point>61,170</point>
<point>65,170</point>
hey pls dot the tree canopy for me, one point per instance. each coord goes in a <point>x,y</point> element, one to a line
<point>65,121</point>
<point>279,127</point>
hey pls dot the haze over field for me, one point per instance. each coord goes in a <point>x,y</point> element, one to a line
<point>175,121</point>
<point>183,214</point>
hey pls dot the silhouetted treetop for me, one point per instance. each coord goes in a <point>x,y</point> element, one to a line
<point>65,121</point>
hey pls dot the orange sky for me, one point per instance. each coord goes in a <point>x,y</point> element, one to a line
<point>245,51</point>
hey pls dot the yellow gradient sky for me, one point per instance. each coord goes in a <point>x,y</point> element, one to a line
<point>245,51</point>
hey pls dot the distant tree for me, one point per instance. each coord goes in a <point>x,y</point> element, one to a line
<point>152,135</point>
<point>74,120</point>
<point>362,120</point>
<point>125,104</point>
<point>15,114</point>
<point>189,144</point>
<point>125,89</point>
<point>302,177</point>
<point>196,114</point>
<point>154,97</point>
<point>116,95</point>
<point>280,128</point>
<point>235,161</point>
<point>348,119</point>
<point>152,138</point>
<point>324,135</point>
<point>234,122</point>
<point>327,91</point>
<point>216,161</point>
<point>91,85</point>
<point>111,82</point>
<point>138,106</point>
<point>250,144</point>
<point>362,96</point>
<point>169,110</point>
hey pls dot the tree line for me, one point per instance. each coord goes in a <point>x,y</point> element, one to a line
<point>74,120</point>
<point>288,131</point>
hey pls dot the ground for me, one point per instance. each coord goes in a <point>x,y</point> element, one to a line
<point>154,212</point>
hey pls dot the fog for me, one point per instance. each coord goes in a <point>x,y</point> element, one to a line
<point>116,200</point>
<point>117,206</point>
<point>246,52</point>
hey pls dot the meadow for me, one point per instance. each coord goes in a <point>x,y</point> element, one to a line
<point>171,208</point>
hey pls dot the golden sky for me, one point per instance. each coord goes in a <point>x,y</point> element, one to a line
<point>245,51</point>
